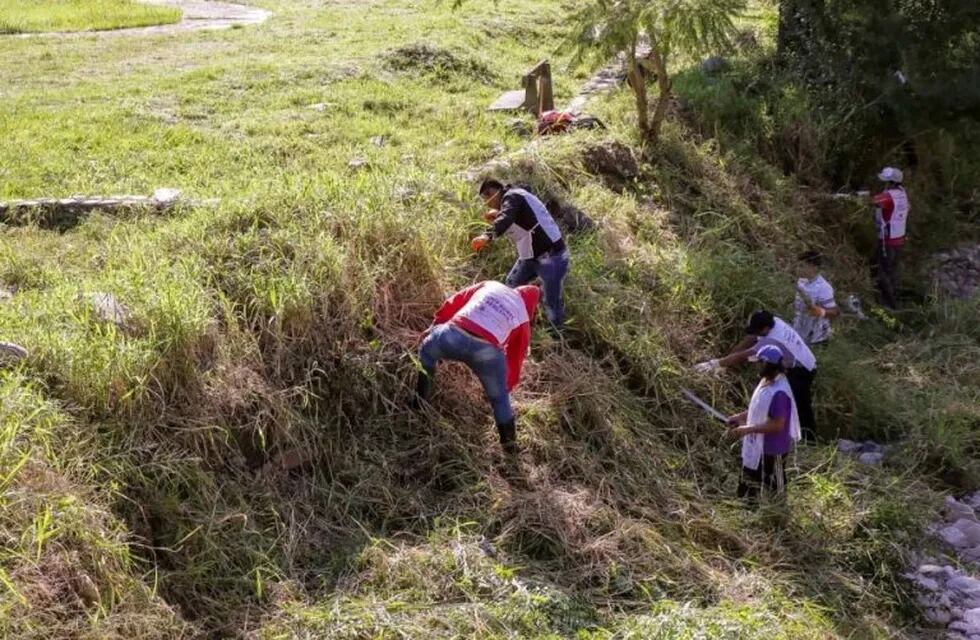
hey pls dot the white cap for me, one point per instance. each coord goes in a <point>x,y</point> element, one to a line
<point>890,174</point>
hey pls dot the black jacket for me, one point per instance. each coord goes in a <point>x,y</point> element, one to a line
<point>515,209</point>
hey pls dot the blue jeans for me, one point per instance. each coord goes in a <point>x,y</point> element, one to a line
<point>447,342</point>
<point>552,269</point>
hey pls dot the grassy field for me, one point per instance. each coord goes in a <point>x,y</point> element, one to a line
<point>38,16</point>
<point>134,502</point>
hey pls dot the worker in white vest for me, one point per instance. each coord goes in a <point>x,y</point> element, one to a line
<point>765,329</point>
<point>541,251</point>
<point>488,328</point>
<point>891,216</point>
<point>768,429</point>
<point>814,306</point>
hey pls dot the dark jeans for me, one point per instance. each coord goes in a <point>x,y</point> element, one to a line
<point>552,269</point>
<point>770,476</point>
<point>446,342</point>
<point>887,276</point>
<point>801,382</point>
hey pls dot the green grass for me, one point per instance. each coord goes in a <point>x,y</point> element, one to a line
<point>285,317</point>
<point>39,16</point>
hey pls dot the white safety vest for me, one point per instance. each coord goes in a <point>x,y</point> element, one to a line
<point>753,445</point>
<point>794,349</point>
<point>900,215</point>
<point>522,237</point>
<point>819,292</point>
<point>497,308</point>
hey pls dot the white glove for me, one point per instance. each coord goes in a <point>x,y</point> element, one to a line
<point>707,367</point>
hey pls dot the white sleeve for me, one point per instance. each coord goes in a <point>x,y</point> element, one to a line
<point>826,297</point>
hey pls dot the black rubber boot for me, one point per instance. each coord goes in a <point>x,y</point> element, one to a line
<point>508,436</point>
<point>423,390</point>
<point>555,331</point>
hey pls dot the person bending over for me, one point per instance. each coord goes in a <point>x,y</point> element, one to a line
<point>764,329</point>
<point>487,327</point>
<point>541,250</point>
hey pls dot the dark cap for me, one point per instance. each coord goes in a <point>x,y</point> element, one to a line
<point>490,184</point>
<point>759,321</point>
<point>811,258</point>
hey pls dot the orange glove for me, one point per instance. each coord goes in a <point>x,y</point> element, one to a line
<point>491,215</point>
<point>479,242</point>
<point>817,311</point>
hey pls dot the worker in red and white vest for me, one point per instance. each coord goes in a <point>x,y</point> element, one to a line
<point>891,215</point>
<point>487,327</point>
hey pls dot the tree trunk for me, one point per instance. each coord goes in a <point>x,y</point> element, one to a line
<point>803,36</point>
<point>787,34</point>
<point>639,86</point>
<point>664,84</point>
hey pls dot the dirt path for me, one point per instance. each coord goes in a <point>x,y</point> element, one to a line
<point>605,80</point>
<point>197,15</point>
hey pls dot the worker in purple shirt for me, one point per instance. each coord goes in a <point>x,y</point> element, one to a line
<point>768,429</point>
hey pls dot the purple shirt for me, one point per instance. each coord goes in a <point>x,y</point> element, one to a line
<point>779,443</point>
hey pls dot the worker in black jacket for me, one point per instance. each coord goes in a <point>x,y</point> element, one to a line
<point>541,250</point>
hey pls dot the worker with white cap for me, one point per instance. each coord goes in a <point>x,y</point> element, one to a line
<point>891,215</point>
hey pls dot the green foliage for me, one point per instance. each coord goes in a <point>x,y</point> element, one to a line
<point>850,54</point>
<point>934,44</point>
<point>756,110</point>
<point>729,621</point>
<point>278,326</point>
<point>604,29</point>
<point>66,567</point>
